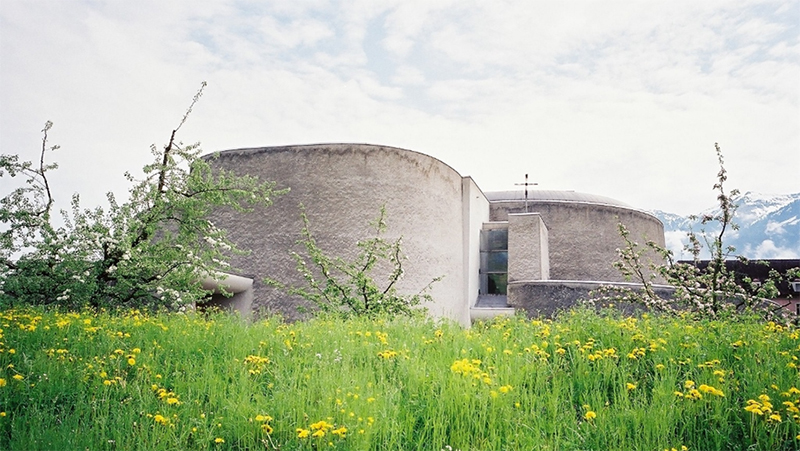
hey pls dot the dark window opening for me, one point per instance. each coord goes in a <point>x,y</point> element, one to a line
<point>494,261</point>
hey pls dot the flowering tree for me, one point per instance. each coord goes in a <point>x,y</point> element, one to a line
<point>150,251</point>
<point>708,291</point>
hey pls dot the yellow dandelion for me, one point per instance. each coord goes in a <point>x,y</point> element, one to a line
<point>318,434</point>
<point>2,382</point>
<point>266,428</point>
<point>219,440</point>
<point>303,433</point>
<point>590,415</point>
<point>18,377</point>
<point>630,386</point>
<point>131,361</point>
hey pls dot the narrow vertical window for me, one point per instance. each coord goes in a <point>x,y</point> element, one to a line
<point>494,261</point>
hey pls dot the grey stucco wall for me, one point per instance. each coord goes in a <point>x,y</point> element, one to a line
<point>583,237</point>
<point>547,298</point>
<point>475,212</point>
<point>342,187</point>
<point>528,257</point>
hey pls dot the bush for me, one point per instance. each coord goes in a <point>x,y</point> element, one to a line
<point>348,288</point>
<point>708,291</point>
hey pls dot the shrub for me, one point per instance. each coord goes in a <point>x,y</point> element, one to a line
<point>345,288</point>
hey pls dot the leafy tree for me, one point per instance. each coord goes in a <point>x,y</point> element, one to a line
<point>708,291</point>
<point>151,251</point>
<point>349,288</point>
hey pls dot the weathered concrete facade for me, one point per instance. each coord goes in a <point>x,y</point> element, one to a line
<point>485,246</point>
<point>342,188</point>
<point>582,230</point>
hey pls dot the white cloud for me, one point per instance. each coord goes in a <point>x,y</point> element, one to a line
<point>623,99</point>
<point>768,250</point>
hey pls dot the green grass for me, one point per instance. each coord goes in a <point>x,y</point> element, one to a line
<point>583,381</point>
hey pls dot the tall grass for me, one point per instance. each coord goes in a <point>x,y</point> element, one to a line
<point>583,381</point>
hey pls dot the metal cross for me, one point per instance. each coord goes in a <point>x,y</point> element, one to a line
<point>526,184</point>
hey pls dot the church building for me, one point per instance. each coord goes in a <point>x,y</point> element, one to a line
<point>496,252</point>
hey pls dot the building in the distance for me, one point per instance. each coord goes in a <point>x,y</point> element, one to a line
<point>495,251</point>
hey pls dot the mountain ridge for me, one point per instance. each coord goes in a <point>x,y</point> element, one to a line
<point>769,227</point>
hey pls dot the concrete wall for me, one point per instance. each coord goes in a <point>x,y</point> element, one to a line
<point>476,211</point>
<point>342,187</point>
<point>528,251</point>
<point>583,236</point>
<point>548,297</point>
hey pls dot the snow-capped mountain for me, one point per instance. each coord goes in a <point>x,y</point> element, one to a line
<point>769,227</point>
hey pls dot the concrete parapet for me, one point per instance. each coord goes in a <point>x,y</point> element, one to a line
<point>547,297</point>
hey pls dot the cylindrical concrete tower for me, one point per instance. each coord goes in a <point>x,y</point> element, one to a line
<point>342,188</point>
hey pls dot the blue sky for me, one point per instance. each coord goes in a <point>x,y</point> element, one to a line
<point>622,98</point>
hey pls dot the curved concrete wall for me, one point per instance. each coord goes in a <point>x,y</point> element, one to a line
<point>342,187</point>
<point>583,236</point>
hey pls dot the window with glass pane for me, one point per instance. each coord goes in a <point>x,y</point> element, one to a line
<point>494,261</point>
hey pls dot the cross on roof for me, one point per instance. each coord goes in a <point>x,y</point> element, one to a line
<point>526,184</point>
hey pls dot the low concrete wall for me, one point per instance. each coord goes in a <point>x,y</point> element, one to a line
<point>547,297</point>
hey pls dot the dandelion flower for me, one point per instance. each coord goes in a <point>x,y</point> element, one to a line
<point>303,433</point>
<point>219,440</point>
<point>630,386</point>
<point>590,415</point>
<point>18,377</point>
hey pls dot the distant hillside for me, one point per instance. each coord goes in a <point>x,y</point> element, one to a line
<point>769,227</point>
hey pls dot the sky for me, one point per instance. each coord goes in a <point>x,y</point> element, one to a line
<point>618,98</point>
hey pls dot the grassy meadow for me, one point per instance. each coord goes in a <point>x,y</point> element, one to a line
<point>584,381</point>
